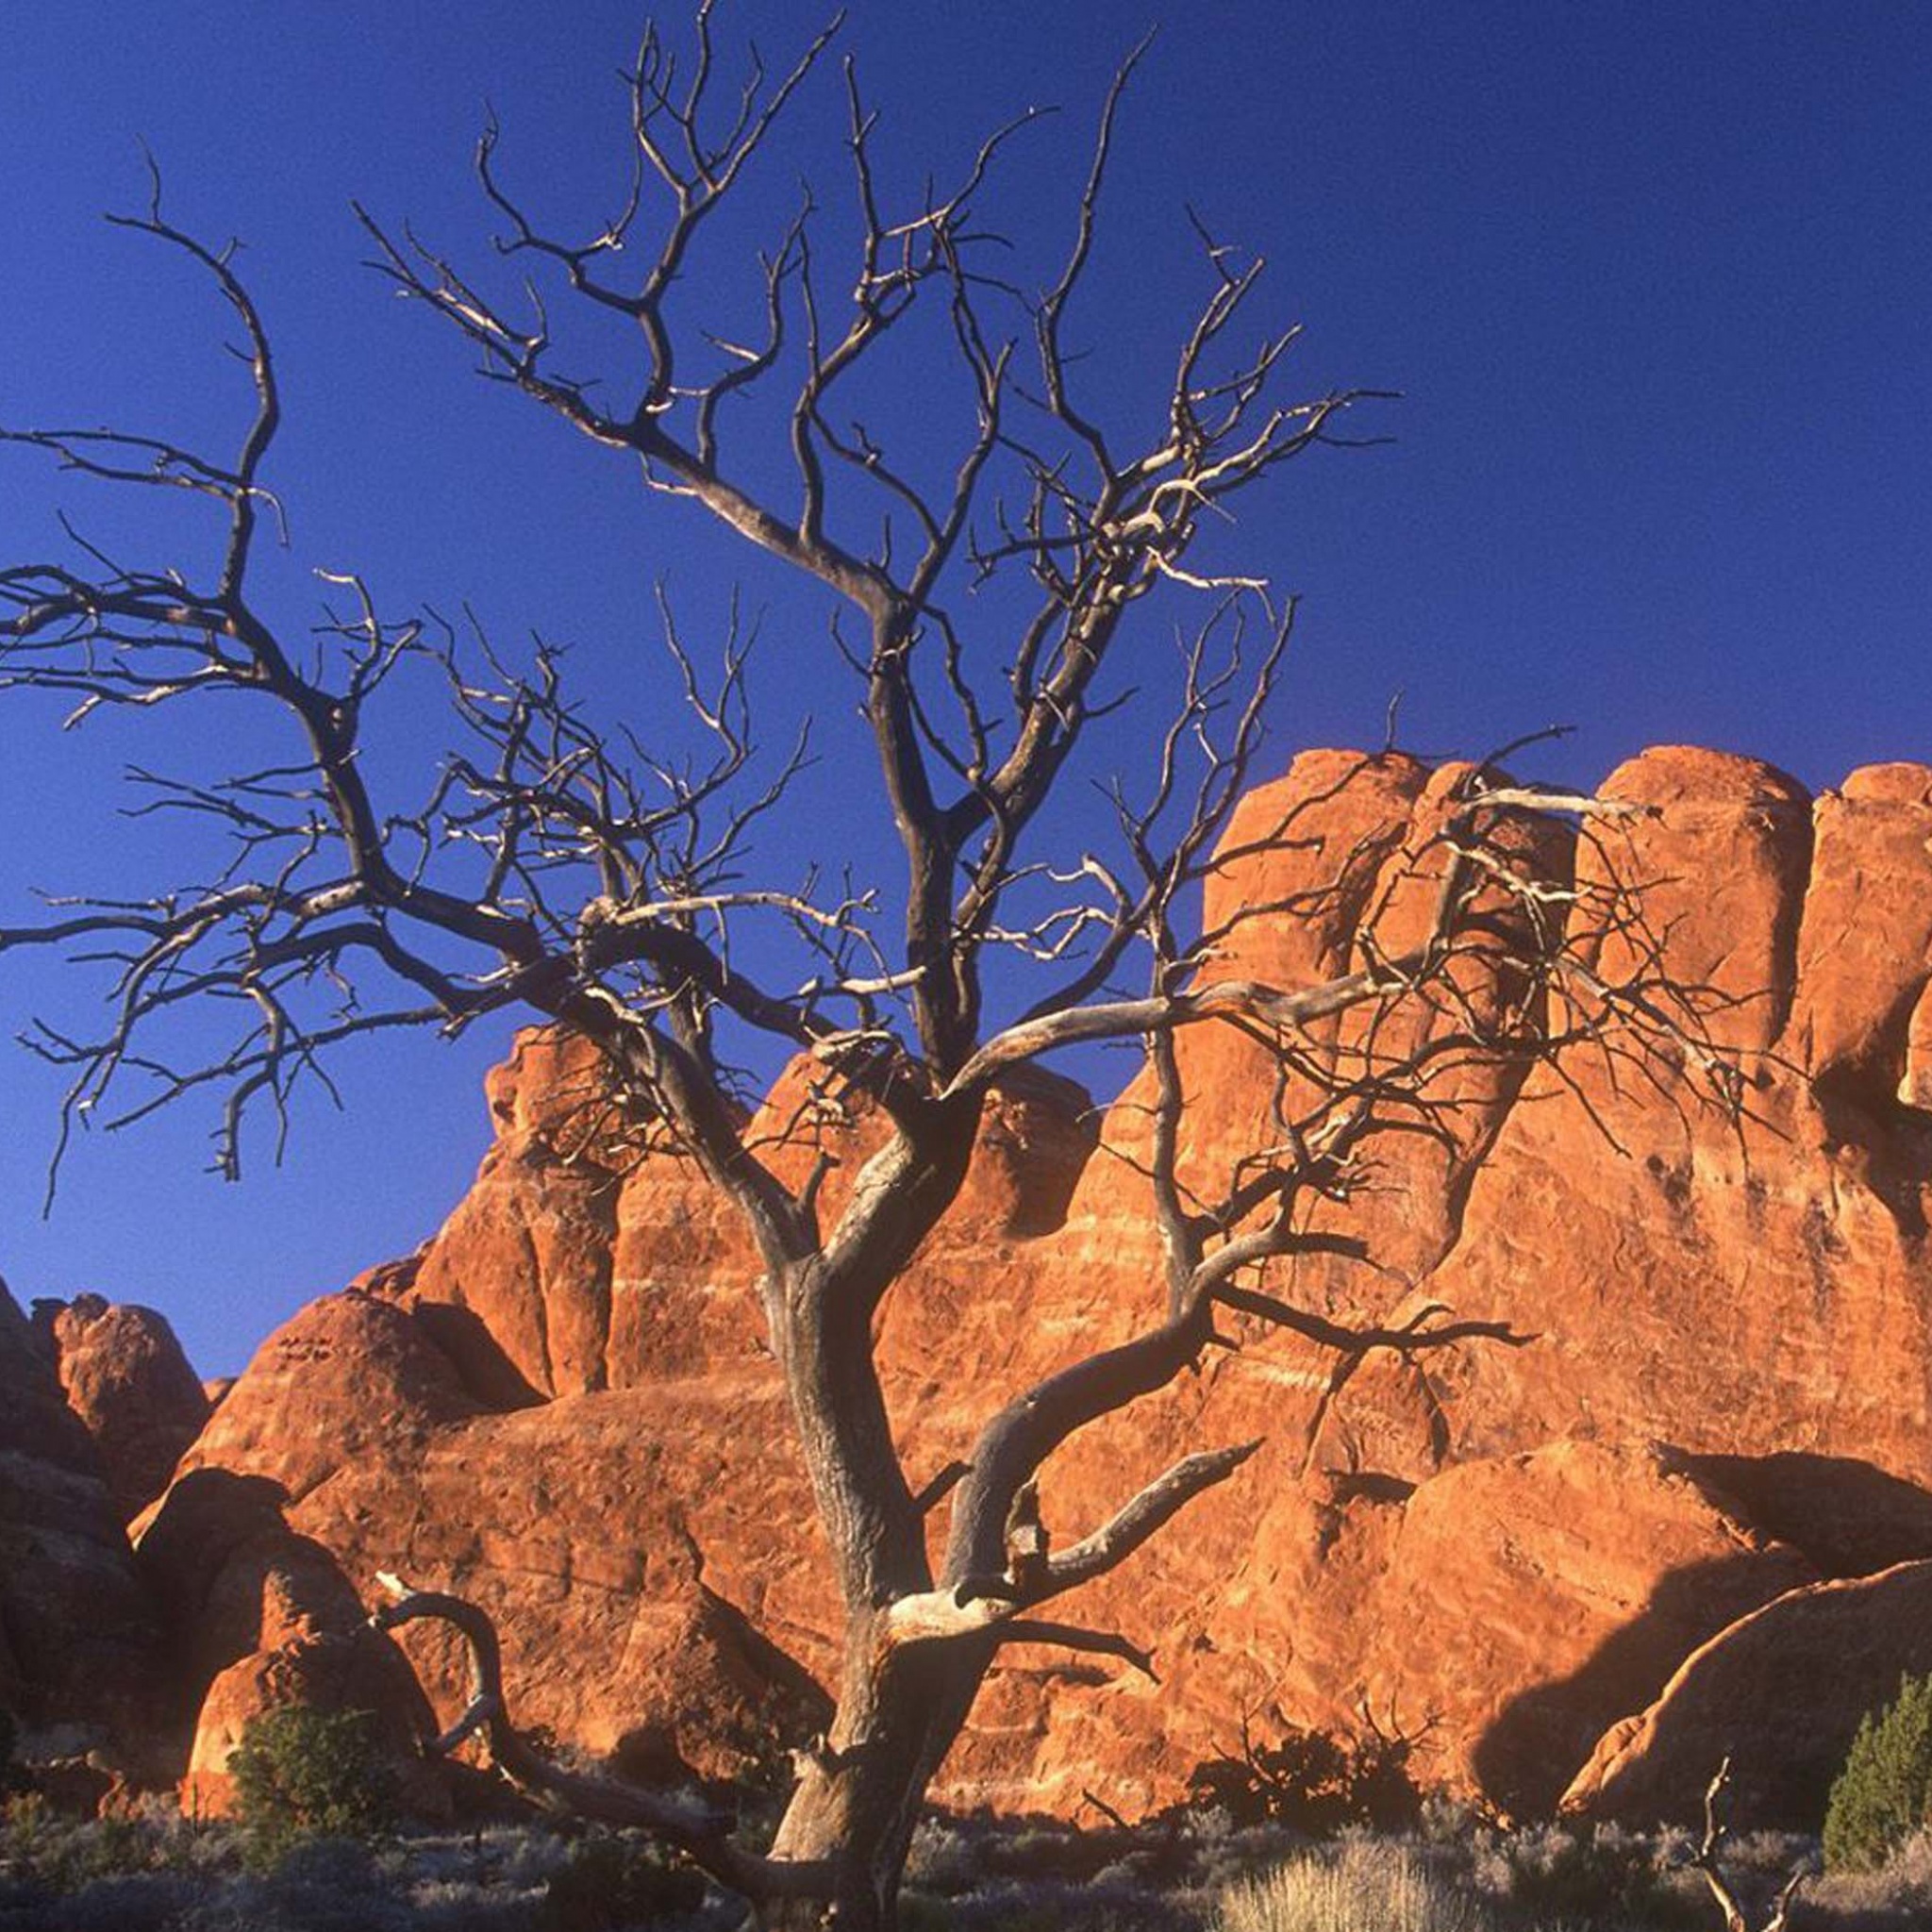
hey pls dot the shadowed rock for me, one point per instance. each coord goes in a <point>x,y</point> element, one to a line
<point>1780,1692</point>
<point>78,1641</point>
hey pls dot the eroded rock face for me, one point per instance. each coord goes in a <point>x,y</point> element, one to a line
<point>1779,1692</point>
<point>563,1405</point>
<point>580,1523</point>
<point>126,1377</point>
<point>78,1641</point>
<point>1750,1290</point>
<point>261,1617</point>
<point>592,1268</point>
<point>352,1377</point>
<point>667,1643</point>
<point>1579,1573</point>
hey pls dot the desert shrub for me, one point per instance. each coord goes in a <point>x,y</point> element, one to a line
<point>1364,1886</point>
<point>1606,1878</point>
<point>513,1860</point>
<point>613,1881</point>
<point>304,1773</point>
<point>143,1902</point>
<point>62,1855</point>
<point>101,1849</point>
<point>468,1909</point>
<point>1884,1793</point>
<point>1034,1905</point>
<point>1315,1782</point>
<point>943,1857</point>
<point>27,1818</point>
<point>1898,1894</point>
<point>267,1904</point>
<point>492,1881</point>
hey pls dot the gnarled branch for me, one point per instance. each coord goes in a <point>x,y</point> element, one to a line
<point>694,1828</point>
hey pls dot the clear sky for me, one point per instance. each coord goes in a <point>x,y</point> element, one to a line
<point>1654,279</point>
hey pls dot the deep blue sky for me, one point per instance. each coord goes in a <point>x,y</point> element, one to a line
<point>1655,281</point>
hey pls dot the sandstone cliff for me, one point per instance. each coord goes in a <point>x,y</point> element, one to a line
<point>562,1407</point>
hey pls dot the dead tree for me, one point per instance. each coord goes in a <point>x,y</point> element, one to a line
<point>562,865</point>
<point>1705,1859</point>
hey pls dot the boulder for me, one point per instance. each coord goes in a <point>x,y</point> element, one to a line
<point>351,1376</point>
<point>126,1377</point>
<point>1780,1692</point>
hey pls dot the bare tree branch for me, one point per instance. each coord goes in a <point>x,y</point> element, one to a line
<point>698,1831</point>
<point>603,877</point>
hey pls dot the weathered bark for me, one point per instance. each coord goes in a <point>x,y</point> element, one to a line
<point>861,1793</point>
<point>900,1704</point>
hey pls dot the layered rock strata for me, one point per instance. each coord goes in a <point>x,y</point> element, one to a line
<point>562,1407</point>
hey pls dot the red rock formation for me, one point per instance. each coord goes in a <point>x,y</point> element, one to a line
<point>590,1268</point>
<point>1579,1575</point>
<point>352,1377</point>
<point>1744,1293</point>
<point>126,1377</point>
<point>78,1641</point>
<point>592,1441</point>
<point>1780,1692</point>
<point>641,1648</point>
<point>262,1618</point>
<point>670,1641</point>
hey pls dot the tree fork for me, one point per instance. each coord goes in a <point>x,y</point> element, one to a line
<point>555,865</point>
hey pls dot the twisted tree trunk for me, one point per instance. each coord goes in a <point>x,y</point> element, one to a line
<point>861,1793</point>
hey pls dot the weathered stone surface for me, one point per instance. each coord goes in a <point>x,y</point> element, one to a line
<point>645,1646</point>
<point>78,1644</point>
<point>1744,1291</point>
<point>351,1375</point>
<point>528,1250</point>
<point>1849,1518</point>
<point>126,1377</point>
<point>1578,1576</point>
<point>593,1443</point>
<point>590,1267</point>
<point>1719,871</point>
<point>261,1618</point>
<point>581,1526</point>
<point>1502,1613</point>
<point>1867,930</point>
<point>1779,1692</point>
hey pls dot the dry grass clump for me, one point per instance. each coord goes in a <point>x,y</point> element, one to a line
<point>1365,1885</point>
